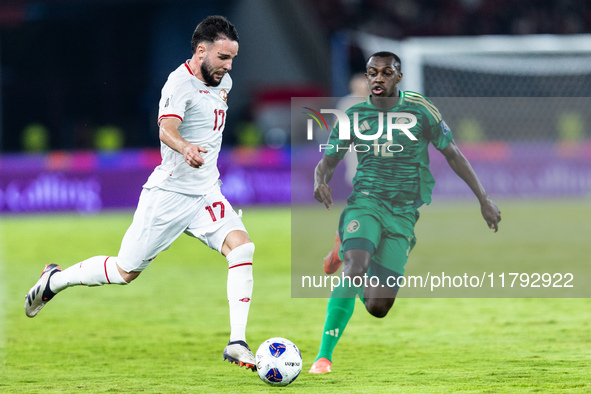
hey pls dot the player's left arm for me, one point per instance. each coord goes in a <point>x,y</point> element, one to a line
<point>458,162</point>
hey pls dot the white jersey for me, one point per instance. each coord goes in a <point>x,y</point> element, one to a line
<point>202,111</point>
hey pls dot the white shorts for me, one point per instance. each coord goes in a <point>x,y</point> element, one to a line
<point>162,216</point>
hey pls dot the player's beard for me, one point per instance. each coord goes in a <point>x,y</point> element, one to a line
<point>208,74</point>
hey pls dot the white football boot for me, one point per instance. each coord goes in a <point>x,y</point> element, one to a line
<point>40,294</point>
<point>239,353</point>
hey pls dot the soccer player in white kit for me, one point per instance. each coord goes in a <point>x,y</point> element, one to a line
<point>183,194</point>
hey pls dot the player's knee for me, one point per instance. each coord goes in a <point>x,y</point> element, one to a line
<point>353,272</point>
<point>378,307</point>
<point>127,276</point>
<point>241,256</point>
<point>353,268</point>
<point>356,263</point>
<point>235,240</point>
<point>242,252</point>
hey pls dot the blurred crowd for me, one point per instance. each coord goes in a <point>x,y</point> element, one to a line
<point>404,18</point>
<point>97,87</point>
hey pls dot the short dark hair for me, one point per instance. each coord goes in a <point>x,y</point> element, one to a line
<point>387,54</point>
<point>213,28</point>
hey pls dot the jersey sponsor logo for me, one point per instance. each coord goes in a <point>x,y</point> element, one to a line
<point>224,95</point>
<point>204,91</point>
<point>353,226</point>
<point>167,103</point>
<point>444,127</point>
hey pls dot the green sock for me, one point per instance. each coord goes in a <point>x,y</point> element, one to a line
<point>338,312</point>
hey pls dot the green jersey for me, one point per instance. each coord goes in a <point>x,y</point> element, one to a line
<point>394,171</point>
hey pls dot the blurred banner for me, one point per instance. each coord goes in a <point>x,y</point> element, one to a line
<point>88,182</point>
<point>519,147</point>
<point>542,170</point>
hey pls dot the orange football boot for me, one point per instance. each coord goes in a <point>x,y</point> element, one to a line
<point>333,262</point>
<point>322,365</point>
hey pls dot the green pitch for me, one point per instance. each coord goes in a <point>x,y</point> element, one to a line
<point>166,331</point>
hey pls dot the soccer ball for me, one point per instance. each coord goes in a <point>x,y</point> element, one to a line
<point>279,361</point>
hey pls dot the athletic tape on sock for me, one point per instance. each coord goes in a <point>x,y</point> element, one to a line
<point>242,255</point>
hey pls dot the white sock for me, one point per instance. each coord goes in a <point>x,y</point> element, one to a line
<point>96,271</point>
<point>239,289</point>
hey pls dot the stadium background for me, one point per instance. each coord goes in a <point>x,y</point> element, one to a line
<point>79,85</point>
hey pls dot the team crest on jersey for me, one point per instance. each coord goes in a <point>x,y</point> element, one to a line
<point>401,120</point>
<point>224,95</point>
<point>352,226</point>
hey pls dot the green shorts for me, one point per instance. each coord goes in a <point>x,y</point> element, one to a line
<point>387,236</point>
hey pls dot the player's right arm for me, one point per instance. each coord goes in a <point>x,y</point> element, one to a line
<point>322,175</point>
<point>170,135</point>
<point>325,169</point>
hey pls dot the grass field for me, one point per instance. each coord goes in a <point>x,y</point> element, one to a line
<point>166,331</point>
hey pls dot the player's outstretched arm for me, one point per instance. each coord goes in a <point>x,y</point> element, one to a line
<point>170,135</point>
<point>458,162</point>
<point>322,175</point>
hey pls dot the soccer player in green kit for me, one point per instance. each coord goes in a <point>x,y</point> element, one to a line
<point>391,182</point>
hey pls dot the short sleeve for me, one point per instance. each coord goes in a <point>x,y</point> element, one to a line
<point>175,100</point>
<point>438,132</point>
<point>441,135</point>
